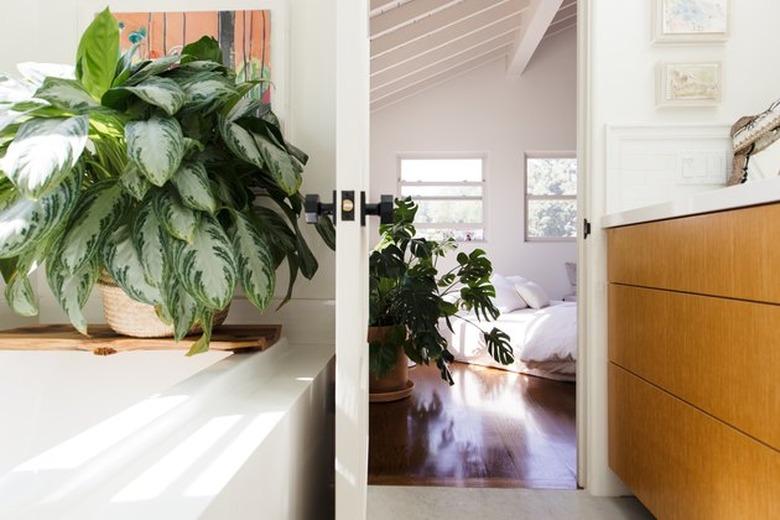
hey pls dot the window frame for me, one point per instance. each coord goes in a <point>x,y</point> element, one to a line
<point>482,156</point>
<point>565,154</point>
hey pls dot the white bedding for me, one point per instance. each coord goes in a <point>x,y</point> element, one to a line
<point>544,340</point>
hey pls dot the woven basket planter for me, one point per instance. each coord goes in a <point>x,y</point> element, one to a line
<point>128,317</point>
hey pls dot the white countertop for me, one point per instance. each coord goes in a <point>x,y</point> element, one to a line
<point>740,196</point>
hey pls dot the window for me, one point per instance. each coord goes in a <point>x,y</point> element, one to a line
<point>449,192</point>
<point>550,197</point>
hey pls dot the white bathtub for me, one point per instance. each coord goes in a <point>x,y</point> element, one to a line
<point>158,435</point>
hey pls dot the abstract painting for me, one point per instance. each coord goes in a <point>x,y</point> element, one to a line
<point>689,84</point>
<point>691,20</point>
<point>244,36</point>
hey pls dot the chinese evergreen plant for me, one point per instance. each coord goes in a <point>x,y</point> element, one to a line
<point>147,171</point>
<point>408,293</point>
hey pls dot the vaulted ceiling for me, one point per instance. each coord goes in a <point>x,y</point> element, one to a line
<point>416,44</point>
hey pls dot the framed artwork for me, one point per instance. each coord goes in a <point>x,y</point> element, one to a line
<point>253,35</point>
<point>689,84</point>
<point>690,21</point>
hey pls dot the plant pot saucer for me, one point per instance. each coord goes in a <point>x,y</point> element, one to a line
<point>395,395</point>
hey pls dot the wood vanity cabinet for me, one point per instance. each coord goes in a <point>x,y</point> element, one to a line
<point>694,363</point>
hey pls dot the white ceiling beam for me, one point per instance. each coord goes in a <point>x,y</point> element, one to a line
<point>379,4</point>
<point>461,60</point>
<point>564,13</point>
<point>440,20</point>
<point>434,81</point>
<point>478,43</point>
<point>537,20</point>
<point>405,14</point>
<point>560,27</point>
<point>480,26</point>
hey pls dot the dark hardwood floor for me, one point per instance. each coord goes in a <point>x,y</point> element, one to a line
<point>491,429</point>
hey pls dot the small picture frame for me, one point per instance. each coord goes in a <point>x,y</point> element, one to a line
<point>689,84</point>
<point>690,21</point>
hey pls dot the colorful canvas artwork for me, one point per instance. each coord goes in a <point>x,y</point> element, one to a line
<point>244,36</point>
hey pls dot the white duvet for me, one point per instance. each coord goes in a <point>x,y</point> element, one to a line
<point>544,340</point>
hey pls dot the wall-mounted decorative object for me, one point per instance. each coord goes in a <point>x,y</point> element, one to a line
<point>244,36</point>
<point>756,142</point>
<point>688,84</point>
<point>690,21</point>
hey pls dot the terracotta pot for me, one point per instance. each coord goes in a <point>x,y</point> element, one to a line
<point>395,384</point>
<point>128,317</point>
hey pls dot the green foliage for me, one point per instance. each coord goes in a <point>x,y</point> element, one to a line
<point>408,292</point>
<point>149,172</point>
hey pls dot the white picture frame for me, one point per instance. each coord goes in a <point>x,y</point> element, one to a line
<point>280,30</point>
<point>689,84</point>
<point>690,21</point>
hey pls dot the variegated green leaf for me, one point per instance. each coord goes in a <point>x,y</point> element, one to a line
<point>20,295</point>
<point>149,236</point>
<point>206,320</point>
<point>206,266</point>
<point>35,73</point>
<point>240,142</point>
<point>183,308</point>
<point>123,263</point>
<point>134,183</point>
<point>192,182</point>
<point>72,290</point>
<point>285,171</point>
<point>206,90</point>
<point>160,92</point>
<point>156,147</point>
<point>254,261</point>
<point>153,68</point>
<point>179,220</point>
<point>96,213</point>
<point>24,221</point>
<point>43,152</point>
<point>192,146</point>
<point>67,94</point>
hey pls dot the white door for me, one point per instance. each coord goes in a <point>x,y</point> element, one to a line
<point>352,143</point>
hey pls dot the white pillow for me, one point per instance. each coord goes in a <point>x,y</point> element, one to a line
<point>533,294</point>
<point>507,298</point>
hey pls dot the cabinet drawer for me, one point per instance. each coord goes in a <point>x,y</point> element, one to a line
<point>733,253</point>
<point>720,355</point>
<point>683,464</point>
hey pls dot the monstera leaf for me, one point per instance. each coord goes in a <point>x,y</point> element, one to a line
<point>156,147</point>
<point>43,152</point>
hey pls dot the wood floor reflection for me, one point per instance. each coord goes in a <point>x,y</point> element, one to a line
<point>491,429</point>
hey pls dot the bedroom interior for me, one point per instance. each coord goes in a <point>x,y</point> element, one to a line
<point>488,154</point>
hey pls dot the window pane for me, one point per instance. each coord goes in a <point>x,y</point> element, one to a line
<point>441,170</point>
<point>552,218</point>
<point>461,235</point>
<point>449,212</point>
<point>441,191</point>
<point>552,176</point>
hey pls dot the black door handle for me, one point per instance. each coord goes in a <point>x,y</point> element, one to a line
<point>313,208</point>
<point>383,209</point>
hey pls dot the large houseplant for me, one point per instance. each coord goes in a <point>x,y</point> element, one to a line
<point>145,173</point>
<point>409,298</point>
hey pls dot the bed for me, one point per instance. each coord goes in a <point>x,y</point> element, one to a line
<point>544,341</point>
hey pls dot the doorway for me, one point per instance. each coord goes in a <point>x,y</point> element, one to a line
<point>481,133</point>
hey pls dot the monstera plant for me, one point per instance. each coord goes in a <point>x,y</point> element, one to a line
<point>147,172</point>
<point>410,301</point>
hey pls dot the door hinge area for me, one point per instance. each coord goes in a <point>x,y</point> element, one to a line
<point>585,228</point>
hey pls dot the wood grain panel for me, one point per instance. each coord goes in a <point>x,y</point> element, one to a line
<point>683,464</point>
<point>720,355</point>
<point>733,253</point>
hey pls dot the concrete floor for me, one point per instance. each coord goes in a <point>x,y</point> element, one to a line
<point>423,503</point>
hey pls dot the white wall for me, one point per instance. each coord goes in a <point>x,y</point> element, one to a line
<point>483,111</point>
<point>622,84</point>
<point>48,31</point>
